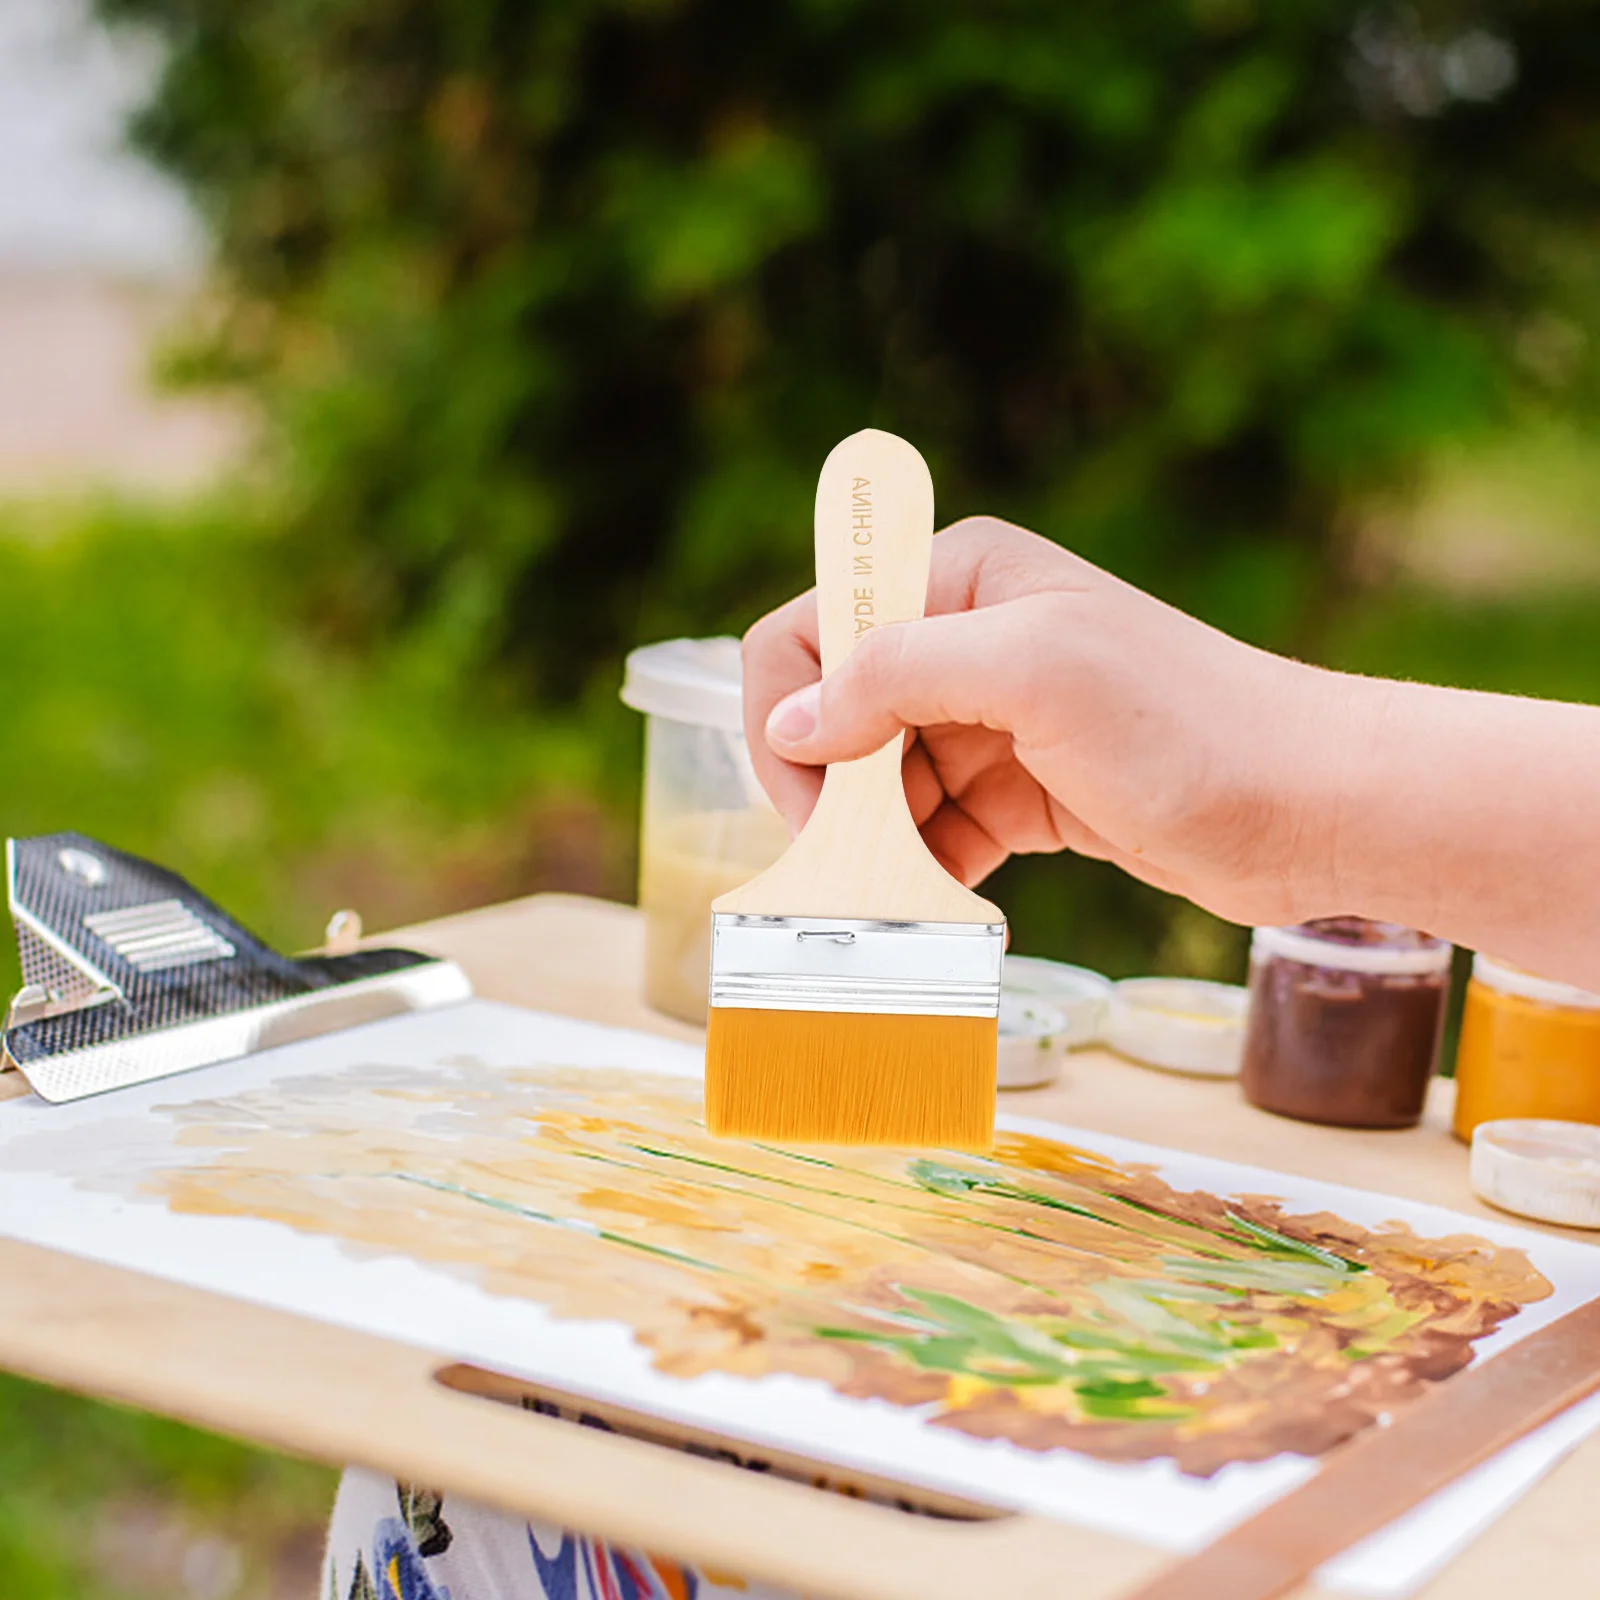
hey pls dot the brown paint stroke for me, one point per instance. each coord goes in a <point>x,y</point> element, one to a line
<point>1048,1297</point>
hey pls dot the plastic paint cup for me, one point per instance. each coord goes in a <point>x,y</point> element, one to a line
<point>1032,1042</point>
<point>706,825</point>
<point>1344,1021</point>
<point>1529,1048</point>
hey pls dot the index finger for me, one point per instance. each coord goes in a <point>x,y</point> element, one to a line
<point>979,561</point>
<point>780,654</point>
<point>983,561</point>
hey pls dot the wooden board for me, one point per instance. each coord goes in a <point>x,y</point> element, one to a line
<point>346,1397</point>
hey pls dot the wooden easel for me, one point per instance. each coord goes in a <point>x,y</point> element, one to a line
<point>345,1397</point>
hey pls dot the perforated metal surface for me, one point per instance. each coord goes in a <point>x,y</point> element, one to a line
<point>91,918</point>
<point>50,971</point>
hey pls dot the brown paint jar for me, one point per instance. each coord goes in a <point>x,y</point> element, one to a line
<point>1344,1021</point>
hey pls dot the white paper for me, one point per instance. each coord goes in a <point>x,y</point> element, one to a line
<point>48,1152</point>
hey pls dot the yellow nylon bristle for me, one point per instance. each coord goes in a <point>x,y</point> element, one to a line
<point>829,1077</point>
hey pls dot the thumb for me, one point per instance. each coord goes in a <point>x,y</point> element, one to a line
<point>962,667</point>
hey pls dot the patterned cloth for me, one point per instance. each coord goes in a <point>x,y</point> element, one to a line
<point>391,1542</point>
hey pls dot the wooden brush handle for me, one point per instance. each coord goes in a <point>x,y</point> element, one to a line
<point>874,543</point>
<point>874,540</point>
<point>860,855</point>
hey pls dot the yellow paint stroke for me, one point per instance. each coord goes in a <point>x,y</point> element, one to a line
<point>1046,1295</point>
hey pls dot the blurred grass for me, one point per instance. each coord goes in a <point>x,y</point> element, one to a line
<point>1492,581</point>
<point>160,695</point>
<point>1543,644</point>
<point>103,1503</point>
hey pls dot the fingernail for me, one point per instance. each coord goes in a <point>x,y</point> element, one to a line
<point>795,718</point>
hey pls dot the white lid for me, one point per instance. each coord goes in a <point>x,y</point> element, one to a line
<point>1078,993</point>
<point>1182,1024</point>
<point>1508,979</point>
<point>688,680</point>
<point>1546,1170</point>
<point>1056,980</point>
<point>1307,947</point>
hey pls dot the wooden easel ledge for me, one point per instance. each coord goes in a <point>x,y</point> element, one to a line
<point>1387,1471</point>
<point>579,1411</point>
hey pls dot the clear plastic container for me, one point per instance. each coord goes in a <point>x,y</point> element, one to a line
<point>706,824</point>
<point>1529,1048</point>
<point>1344,1021</point>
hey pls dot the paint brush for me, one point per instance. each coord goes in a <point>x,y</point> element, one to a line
<point>855,985</point>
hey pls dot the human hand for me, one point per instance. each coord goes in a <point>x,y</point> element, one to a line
<point>1055,706</point>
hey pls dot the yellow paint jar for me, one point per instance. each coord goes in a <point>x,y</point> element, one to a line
<point>706,825</point>
<point>1529,1048</point>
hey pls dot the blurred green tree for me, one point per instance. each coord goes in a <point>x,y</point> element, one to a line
<point>555,307</point>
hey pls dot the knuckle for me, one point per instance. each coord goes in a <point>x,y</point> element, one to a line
<point>965,528</point>
<point>758,637</point>
<point>984,529</point>
<point>792,622</point>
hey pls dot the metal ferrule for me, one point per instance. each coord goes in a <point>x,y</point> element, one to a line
<point>936,969</point>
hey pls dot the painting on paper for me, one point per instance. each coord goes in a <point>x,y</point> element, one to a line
<point>1046,1296</point>
<point>1076,1324</point>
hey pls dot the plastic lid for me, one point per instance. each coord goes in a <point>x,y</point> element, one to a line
<point>1549,1171</point>
<point>1053,979</point>
<point>1182,1024</point>
<point>1078,993</point>
<point>1352,944</point>
<point>689,680</point>
<point>1508,979</point>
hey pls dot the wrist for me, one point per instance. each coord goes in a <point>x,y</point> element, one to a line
<point>1327,769</point>
<point>1362,852</point>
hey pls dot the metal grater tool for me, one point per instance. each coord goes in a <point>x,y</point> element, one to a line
<point>129,974</point>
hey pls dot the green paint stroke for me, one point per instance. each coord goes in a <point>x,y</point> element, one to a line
<point>1121,1350</point>
<point>1122,1346</point>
